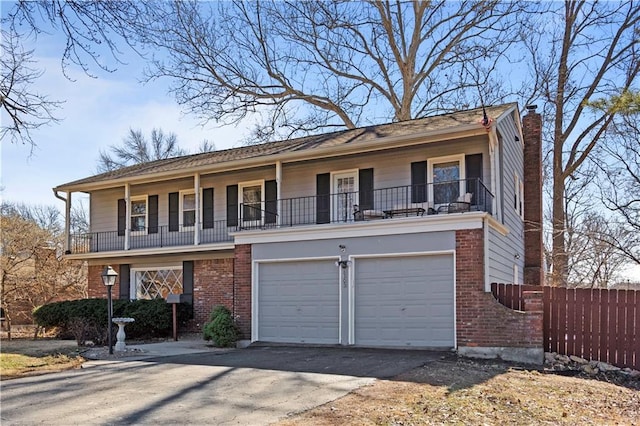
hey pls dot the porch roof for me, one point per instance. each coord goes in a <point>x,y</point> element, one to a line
<point>362,138</point>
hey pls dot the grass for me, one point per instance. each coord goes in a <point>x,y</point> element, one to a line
<point>26,357</point>
<point>463,392</point>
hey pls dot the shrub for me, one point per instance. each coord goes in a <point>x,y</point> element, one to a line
<point>221,328</point>
<point>86,319</point>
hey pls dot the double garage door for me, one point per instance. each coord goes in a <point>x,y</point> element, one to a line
<point>398,301</point>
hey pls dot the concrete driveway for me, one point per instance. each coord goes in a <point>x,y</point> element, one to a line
<point>253,386</point>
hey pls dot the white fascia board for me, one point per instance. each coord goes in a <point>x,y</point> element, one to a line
<point>151,251</point>
<point>493,222</point>
<point>398,226</point>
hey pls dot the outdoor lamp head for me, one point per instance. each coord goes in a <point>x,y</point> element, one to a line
<point>109,276</point>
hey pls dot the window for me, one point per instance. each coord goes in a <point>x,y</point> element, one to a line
<point>252,201</point>
<point>446,179</point>
<point>518,196</point>
<point>188,208</point>
<point>139,214</point>
<point>157,283</point>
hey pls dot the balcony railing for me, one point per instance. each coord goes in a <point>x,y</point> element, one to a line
<point>159,236</point>
<point>385,203</point>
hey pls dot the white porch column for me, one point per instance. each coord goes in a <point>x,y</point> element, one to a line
<point>279,191</point>
<point>127,226</point>
<point>198,224</point>
<point>494,153</point>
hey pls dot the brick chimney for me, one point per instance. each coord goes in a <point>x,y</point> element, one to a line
<point>533,251</point>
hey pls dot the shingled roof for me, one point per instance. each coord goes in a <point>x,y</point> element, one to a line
<point>360,135</point>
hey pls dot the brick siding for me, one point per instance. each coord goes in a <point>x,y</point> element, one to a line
<point>96,288</point>
<point>212,286</point>
<point>242,289</point>
<point>480,319</point>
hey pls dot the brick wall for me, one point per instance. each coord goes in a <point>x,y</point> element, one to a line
<point>242,289</point>
<point>212,285</point>
<point>95,286</point>
<point>480,320</point>
<point>533,251</point>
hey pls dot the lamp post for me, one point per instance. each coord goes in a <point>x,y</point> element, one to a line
<point>109,279</point>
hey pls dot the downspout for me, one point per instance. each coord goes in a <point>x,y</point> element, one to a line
<point>67,220</point>
<point>494,158</point>
<point>127,228</point>
<point>278,192</point>
<point>487,258</point>
<point>198,224</point>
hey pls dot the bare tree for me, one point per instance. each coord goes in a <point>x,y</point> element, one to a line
<point>593,54</point>
<point>92,29</point>
<point>32,271</point>
<point>22,109</point>
<point>305,66</point>
<point>620,183</point>
<point>137,149</point>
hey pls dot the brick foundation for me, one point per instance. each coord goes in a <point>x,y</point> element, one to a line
<point>481,321</point>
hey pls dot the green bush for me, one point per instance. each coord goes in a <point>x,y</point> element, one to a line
<point>86,319</point>
<point>221,328</point>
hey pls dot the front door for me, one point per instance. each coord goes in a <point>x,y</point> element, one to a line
<point>344,195</point>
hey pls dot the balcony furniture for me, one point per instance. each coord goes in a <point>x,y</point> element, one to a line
<point>405,211</point>
<point>367,214</point>
<point>461,205</point>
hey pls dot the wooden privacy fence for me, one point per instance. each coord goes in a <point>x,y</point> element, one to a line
<point>595,324</point>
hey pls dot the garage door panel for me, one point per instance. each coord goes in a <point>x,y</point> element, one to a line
<point>298,302</point>
<point>404,301</point>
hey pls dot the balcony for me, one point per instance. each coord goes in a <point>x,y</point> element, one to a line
<point>158,237</point>
<point>347,207</point>
<point>385,203</point>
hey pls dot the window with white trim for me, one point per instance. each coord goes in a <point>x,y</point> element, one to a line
<point>139,211</point>
<point>251,200</point>
<point>155,283</point>
<point>187,208</point>
<point>446,178</point>
<point>518,196</point>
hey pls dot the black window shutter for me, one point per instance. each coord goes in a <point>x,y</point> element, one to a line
<point>323,201</point>
<point>153,214</point>
<point>124,282</point>
<point>174,211</point>
<point>419,182</point>
<point>207,208</point>
<point>473,165</point>
<point>365,182</point>
<point>122,216</point>
<point>187,283</point>
<point>270,201</point>
<point>232,205</point>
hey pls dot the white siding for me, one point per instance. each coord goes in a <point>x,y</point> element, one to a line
<point>391,168</point>
<point>507,251</point>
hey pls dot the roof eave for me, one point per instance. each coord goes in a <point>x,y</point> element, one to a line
<point>459,131</point>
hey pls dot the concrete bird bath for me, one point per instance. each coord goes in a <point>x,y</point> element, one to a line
<point>120,345</point>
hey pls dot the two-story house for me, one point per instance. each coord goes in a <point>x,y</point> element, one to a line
<point>383,236</point>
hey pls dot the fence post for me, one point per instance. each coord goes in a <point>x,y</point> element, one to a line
<point>534,308</point>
